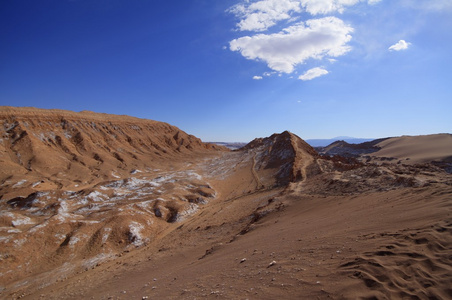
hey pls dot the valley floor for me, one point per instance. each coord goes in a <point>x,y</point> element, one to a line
<point>283,244</point>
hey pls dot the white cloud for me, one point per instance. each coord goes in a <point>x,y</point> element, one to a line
<point>263,14</point>
<point>315,7</point>
<point>313,39</point>
<point>260,15</point>
<point>400,45</point>
<point>313,73</point>
<point>257,77</point>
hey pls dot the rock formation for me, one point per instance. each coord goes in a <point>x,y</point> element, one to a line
<point>83,187</point>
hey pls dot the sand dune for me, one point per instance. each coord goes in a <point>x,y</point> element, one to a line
<point>114,207</point>
<point>418,149</point>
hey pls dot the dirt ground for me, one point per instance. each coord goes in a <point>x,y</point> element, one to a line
<point>388,245</point>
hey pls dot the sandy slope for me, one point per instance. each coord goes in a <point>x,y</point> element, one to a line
<point>274,244</point>
<point>418,149</point>
<point>177,218</point>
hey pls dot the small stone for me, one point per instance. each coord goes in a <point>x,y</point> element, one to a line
<point>271,264</point>
<point>243,260</point>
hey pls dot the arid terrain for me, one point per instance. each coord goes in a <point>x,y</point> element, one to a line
<point>97,206</point>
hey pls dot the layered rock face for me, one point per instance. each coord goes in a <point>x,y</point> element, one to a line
<point>62,149</point>
<point>284,157</point>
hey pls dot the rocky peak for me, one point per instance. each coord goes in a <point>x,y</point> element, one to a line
<point>286,152</point>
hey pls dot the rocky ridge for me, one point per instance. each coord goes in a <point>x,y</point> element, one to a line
<point>55,149</point>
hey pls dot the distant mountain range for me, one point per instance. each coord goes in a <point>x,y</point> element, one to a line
<point>326,142</point>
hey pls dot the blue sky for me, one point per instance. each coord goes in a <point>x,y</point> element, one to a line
<point>228,70</point>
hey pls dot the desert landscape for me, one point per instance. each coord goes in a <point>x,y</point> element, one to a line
<point>99,206</point>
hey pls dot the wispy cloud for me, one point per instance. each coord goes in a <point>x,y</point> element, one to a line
<point>263,14</point>
<point>313,73</point>
<point>400,45</point>
<point>316,38</point>
<point>257,77</point>
<point>316,7</point>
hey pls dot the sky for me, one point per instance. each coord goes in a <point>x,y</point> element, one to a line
<point>234,70</point>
